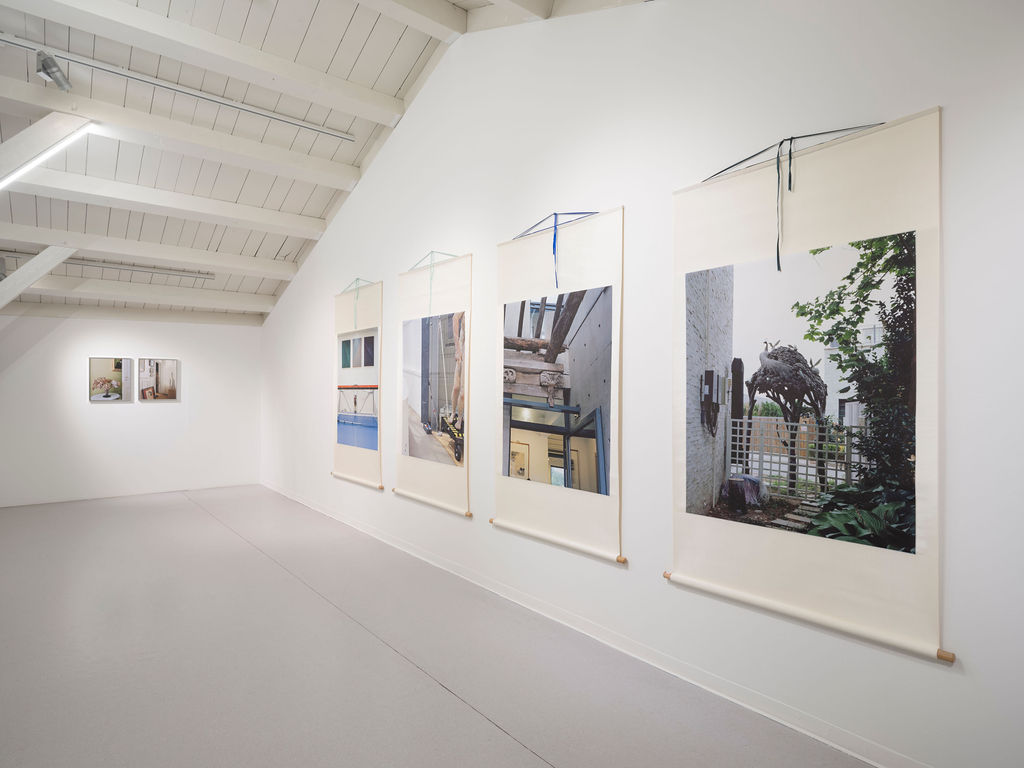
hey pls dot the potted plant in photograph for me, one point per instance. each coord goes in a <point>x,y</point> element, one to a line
<point>105,384</point>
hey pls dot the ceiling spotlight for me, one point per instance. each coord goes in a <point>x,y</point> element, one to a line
<point>48,69</point>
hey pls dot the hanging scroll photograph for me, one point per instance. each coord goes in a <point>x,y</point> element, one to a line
<point>791,415</point>
<point>560,288</point>
<point>357,316</point>
<point>805,396</point>
<point>433,411</point>
<point>557,386</point>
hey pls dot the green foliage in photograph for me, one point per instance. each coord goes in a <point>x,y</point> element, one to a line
<point>767,408</point>
<point>880,508</point>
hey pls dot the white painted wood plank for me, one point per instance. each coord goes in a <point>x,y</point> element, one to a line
<point>23,208</point>
<point>129,162</point>
<point>101,156</point>
<point>379,45</point>
<point>356,34</point>
<point>404,56</point>
<point>288,27</point>
<point>325,32</point>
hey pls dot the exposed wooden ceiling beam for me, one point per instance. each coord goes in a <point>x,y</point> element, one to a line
<point>437,18</point>
<point>48,309</point>
<point>142,252</point>
<point>537,9</point>
<point>80,188</point>
<point>27,100</point>
<point>147,293</point>
<point>32,142</point>
<point>152,32</point>
<point>28,273</point>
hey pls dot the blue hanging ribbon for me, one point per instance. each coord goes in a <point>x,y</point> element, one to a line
<point>554,248</point>
<point>554,237</point>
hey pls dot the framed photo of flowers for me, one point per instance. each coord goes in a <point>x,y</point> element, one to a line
<point>110,379</point>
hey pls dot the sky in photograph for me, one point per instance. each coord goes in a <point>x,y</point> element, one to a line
<point>763,298</point>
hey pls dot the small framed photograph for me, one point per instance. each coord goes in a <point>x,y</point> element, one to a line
<point>158,379</point>
<point>110,379</point>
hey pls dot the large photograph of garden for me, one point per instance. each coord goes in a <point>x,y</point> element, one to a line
<point>801,391</point>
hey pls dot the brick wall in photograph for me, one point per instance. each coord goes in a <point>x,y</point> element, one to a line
<point>709,308</point>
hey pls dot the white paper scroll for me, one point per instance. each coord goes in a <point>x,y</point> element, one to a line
<point>878,182</point>
<point>356,388</point>
<point>545,449</point>
<point>434,428</point>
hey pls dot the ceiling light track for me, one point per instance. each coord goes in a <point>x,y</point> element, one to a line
<point>37,48</point>
<point>80,262</point>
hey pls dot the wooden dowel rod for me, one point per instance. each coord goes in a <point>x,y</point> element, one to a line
<point>947,656</point>
<point>469,514</point>
<point>621,559</point>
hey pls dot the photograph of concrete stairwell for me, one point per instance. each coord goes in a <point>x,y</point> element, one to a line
<point>556,389</point>
<point>801,392</point>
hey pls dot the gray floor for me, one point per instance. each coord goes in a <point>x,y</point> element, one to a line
<point>233,627</point>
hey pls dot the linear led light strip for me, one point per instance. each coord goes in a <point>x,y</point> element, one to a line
<point>42,157</point>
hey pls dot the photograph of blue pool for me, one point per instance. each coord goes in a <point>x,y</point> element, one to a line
<point>358,429</point>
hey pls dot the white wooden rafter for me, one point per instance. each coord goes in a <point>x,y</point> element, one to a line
<point>158,34</point>
<point>36,139</point>
<point>30,272</point>
<point>18,97</point>
<point>79,188</point>
<point>97,246</point>
<point>535,9</point>
<point>149,293</point>
<point>49,309</point>
<point>437,18</point>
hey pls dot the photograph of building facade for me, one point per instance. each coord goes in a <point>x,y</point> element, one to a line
<point>434,398</point>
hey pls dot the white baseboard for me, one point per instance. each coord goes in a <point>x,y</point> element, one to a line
<point>803,722</point>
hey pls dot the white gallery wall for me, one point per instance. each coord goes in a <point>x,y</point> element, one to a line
<point>623,107</point>
<point>58,445</point>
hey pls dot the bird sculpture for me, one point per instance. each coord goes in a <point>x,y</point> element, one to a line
<point>786,377</point>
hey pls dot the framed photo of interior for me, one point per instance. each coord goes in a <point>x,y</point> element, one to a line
<point>110,379</point>
<point>159,379</point>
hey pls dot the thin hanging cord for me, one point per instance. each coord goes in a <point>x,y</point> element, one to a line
<point>554,238</point>
<point>430,295</point>
<point>802,136</point>
<point>778,176</point>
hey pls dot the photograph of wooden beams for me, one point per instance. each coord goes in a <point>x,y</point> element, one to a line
<point>218,140</point>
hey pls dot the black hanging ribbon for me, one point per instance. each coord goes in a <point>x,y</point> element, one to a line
<point>778,176</point>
